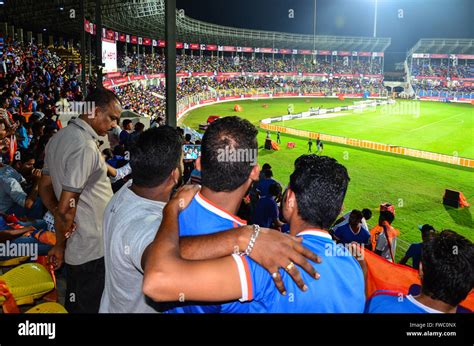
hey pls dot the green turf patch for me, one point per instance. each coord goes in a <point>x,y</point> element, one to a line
<point>414,186</point>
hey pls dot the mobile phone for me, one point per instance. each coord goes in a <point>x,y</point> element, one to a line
<point>191,151</point>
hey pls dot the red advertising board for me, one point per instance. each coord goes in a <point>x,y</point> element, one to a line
<point>247,49</point>
<point>194,46</point>
<point>304,51</point>
<point>147,41</point>
<point>344,53</point>
<point>114,75</point>
<point>121,37</point>
<point>202,74</point>
<point>133,39</point>
<point>324,52</point>
<point>156,75</point>
<point>364,54</point>
<point>211,47</point>
<point>179,45</point>
<point>285,51</point>
<point>266,50</point>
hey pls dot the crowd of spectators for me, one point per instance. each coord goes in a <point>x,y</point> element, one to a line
<point>148,64</point>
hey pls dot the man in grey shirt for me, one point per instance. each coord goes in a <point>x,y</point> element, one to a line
<point>75,188</point>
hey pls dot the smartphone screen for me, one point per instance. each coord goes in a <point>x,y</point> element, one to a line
<point>191,151</point>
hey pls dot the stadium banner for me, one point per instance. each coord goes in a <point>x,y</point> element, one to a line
<point>109,55</point>
<point>315,74</point>
<point>439,56</point>
<point>229,74</point>
<point>377,54</point>
<point>211,47</point>
<point>133,39</point>
<point>266,50</point>
<point>304,51</point>
<point>161,43</point>
<point>285,51</point>
<point>202,74</point>
<point>430,77</point>
<point>344,53</point>
<point>137,77</point>
<point>373,75</point>
<point>461,79</point>
<point>146,41</point>
<point>465,56</point>
<point>114,75</point>
<point>179,45</point>
<point>247,49</point>
<point>323,52</point>
<point>110,35</point>
<point>182,74</point>
<point>207,101</point>
<point>156,75</point>
<point>107,84</point>
<point>229,48</point>
<point>194,46</point>
<point>121,37</point>
<point>364,54</point>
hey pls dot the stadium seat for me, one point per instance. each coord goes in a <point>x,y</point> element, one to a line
<point>47,308</point>
<point>25,283</point>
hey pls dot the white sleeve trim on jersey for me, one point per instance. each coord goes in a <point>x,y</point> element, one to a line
<point>243,277</point>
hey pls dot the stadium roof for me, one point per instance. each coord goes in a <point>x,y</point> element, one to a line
<point>443,46</point>
<point>146,18</point>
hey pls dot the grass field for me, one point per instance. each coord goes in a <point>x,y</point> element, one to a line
<point>415,186</point>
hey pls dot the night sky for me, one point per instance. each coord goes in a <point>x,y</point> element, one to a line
<point>421,18</point>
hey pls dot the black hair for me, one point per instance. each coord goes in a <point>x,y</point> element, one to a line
<point>139,126</point>
<point>119,150</point>
<point>320,185</point>
<point>355,215</point>
<point>155,155</point>
<point>448,267</point>
<point>386,215</point>
<point>227,136</point>
<point>187,137</point>
<point>19,118</point>
<point>107,153</point>
<point>266,166</point>
<point>125,122</point>
<point>102,97</point>
<point>267,173</point>
<point>274,189</point>
<point>24,156</point>
<point>367,213</point>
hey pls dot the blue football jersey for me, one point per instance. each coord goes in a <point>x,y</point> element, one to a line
<point>386,302</point>
<point>199,218</point>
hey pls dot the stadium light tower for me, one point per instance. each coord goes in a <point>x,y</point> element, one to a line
<point>375,18</point>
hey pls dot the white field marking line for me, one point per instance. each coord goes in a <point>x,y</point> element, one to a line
<point>435,122</point>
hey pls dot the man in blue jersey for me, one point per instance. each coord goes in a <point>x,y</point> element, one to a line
<point>352,230</point>
<point>447,277</point>
<point>312,203</point>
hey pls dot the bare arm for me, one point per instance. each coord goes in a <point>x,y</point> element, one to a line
<point>30,199</point>
<point>168,277</point>
<point>46,193</point>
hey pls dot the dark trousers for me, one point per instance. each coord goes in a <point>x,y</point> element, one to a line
<point>85,284</point>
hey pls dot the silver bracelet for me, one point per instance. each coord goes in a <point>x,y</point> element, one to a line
<point>253,239</point>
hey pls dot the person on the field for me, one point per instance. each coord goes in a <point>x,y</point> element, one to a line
<point>319,147</point>
<point>278,137</point>
<point>314,199</point>
<point>447,277</point>
<point>310,145</point>
<point>414,251</point>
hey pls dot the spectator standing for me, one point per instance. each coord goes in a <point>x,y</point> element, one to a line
<point>414,251</point>
<point>75,188</point>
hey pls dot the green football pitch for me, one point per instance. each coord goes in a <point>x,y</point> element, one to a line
<point>414,186</point>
